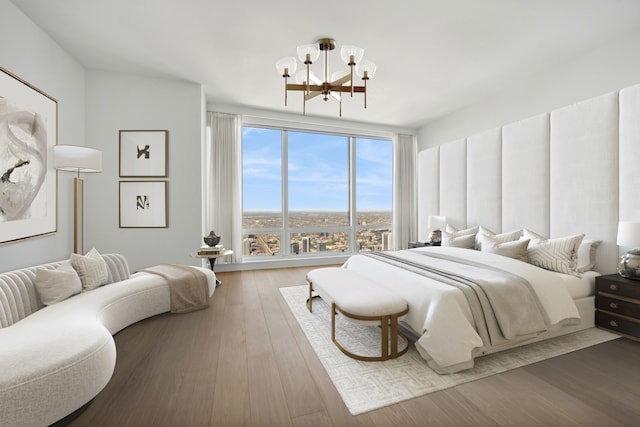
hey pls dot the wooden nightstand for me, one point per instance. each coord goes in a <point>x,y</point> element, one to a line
<point>421,244</point>
<point>618,305</point>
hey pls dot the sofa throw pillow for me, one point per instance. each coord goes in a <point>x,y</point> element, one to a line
<point>91,269</point>
<point>57,285</point>
<point>516,249</point>
<point>559,254</point>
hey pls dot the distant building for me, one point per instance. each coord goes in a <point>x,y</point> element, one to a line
<point>295,248</point>
<point>306,244</point>
<point>387,241</point>
<point>322,247</point>
<point>246,246</point>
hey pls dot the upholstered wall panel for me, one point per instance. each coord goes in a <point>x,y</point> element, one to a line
<point>525,175</point>
<point>484,180</point>
<point>453,182</point>
<point>428,189</point>
<point>630,154</point>
<point>584,174</point>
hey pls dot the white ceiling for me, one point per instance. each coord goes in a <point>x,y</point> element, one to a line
<point>434,56</point>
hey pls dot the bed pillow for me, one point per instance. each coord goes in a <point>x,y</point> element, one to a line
<point>91,269</point>
<point>587,254</point>
<point>559,254</point>
<point>452,230</point>
<point>516,249</point>
<point>57,285</point>
<point>500,238</point>
<point>467,241</point>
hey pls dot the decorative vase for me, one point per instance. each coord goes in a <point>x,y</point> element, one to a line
<point>211,239</point>
<point>629,265</point>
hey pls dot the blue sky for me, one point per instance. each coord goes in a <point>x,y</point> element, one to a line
<point>318,172</point>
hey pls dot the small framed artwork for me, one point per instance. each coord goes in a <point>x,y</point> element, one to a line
<point>143,153</point>
<point>28,132</point>
<point>143,204</point>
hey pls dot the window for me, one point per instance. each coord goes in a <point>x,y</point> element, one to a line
<point>310,193</point>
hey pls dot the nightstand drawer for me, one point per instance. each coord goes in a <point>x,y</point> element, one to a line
<point>618,306</point>
<point>618,286</point>
<point>618,324</point>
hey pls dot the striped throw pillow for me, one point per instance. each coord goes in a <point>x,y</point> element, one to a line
<point>559,254</point>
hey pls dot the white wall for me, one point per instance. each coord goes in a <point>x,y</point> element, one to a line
<point>126,102</point>
<point>32,55</point>
<point>609,67</point>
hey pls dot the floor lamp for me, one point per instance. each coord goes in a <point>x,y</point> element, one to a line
<point>76,158</point>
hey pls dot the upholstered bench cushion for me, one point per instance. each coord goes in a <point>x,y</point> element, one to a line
<point>353,293</point>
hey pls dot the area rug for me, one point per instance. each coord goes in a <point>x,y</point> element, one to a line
<point>365,386</point>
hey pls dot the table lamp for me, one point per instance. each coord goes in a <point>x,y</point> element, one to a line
<point>76,158</point>
<point>629,237</point>
<point>436,224</point>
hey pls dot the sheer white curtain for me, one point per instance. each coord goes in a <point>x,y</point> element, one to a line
<point>223,180</point>
<point>405,211</point>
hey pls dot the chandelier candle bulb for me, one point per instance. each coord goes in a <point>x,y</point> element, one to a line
<point>340,82</point>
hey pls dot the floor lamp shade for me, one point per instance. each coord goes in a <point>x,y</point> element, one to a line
<point>629,237</point>
<point>75,158</point>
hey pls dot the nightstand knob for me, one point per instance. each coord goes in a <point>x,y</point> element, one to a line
<point>613,305</point>
<point>613,323</point>
<point>613,287</point>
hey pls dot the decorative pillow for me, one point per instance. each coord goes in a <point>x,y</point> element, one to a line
<point>57,285</point>
<point>559,254</point>
<point>91,268</point>
<point>500,238</point>
<point>516,249</point>
<point>467,241</point>
<point>452,230</point>
<point>587,254</point>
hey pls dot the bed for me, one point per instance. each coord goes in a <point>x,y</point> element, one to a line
<point>449,334</point>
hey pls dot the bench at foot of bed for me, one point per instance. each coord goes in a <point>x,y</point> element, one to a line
<point>359,300</point>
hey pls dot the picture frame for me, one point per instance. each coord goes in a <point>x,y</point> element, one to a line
<point>28,188</point>
<point>143,204</point>
<point>143,153</point>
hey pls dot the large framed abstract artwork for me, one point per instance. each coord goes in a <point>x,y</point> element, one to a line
<point>143,204</point>
<point>143,153</point>
<point>28,184</point>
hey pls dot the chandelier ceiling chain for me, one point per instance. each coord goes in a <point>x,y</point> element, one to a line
<point>330,86</point>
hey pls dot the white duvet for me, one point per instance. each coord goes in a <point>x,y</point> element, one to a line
<point>439,313</point>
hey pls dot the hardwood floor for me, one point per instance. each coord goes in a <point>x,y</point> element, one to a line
<point>246,362</point>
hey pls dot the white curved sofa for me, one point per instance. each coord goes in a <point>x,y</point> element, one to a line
<point>54,359</point>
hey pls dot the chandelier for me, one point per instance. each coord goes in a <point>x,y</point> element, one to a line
<point>337,84</point>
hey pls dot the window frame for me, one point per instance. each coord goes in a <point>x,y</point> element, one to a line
<point>286,231</point>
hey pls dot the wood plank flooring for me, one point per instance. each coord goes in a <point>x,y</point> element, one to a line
<point>246,362</point>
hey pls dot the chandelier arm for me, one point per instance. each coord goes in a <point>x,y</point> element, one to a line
<point>365,90</point>
<point>352,63</point>
<point>286,73</point>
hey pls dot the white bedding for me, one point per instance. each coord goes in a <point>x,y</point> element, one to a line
<point>440,314</point>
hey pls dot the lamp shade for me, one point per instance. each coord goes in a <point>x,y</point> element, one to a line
<point>76,158</point>
<point>629,234</point>
<point>436,222</point>
<point>288,64</point>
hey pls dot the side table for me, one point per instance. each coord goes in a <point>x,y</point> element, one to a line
<point>421,244</point>
<point>212,257</point>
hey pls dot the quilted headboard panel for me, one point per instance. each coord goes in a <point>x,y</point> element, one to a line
<point>484,179</point>
<point>569,171</point>
<point>584,173</point>
<point>525,172</point>
<point>453,182</point>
